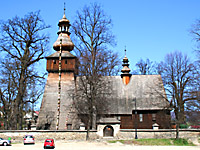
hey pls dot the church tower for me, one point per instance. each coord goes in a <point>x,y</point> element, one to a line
<point>68,61</point>
<point>62,69</point>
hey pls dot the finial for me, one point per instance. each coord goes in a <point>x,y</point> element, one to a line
<point>64,8</point>
<point>64,17</point>
<point>125,51</point>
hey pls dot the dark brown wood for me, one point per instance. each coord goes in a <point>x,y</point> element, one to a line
<point>69,66</point>
<point>162,118</point>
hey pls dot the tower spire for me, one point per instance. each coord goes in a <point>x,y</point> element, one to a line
<point>64,34</point>
<point>64,16</point>
<point>125,70</point>
<point>64,8</point>
<point>125,51</point>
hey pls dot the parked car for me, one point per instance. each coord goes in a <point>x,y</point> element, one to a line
<point>29,139</point>
<point>5,142</point>
<point>49,143</point>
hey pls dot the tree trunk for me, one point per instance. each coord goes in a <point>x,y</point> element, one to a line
<point>88,129</point>
<point>182,114</point>
<point>177,122</point>
<point>87,135</point>
<point>177,130</point>
<point>19,99</point>
<point>94,118</point>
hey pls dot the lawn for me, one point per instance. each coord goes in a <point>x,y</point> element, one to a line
<point>161,142</point>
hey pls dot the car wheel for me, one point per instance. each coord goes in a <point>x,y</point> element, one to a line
<point>5,144</point>
<point>44,147</point>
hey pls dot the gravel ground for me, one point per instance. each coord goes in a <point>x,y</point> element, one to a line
<point>95,146</point>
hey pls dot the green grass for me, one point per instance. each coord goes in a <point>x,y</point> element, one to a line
<point>160,142</point>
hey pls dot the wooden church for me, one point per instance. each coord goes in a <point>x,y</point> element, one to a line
<point>135,99</point>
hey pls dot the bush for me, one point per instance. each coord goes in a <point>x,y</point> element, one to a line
<point>183,126</point>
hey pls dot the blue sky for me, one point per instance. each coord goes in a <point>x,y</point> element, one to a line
<point>148,28</point>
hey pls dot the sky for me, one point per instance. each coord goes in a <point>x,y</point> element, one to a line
<point>147,28</point>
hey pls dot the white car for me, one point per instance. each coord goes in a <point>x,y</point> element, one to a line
<point>29,139</point>
<point>5,142</point>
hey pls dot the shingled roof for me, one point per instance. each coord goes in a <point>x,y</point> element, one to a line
<point>147,89</point>
<point>65,54</point>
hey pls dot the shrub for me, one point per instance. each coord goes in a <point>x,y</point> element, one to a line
<point>183,126</point>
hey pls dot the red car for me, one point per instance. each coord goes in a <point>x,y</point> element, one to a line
<point>49,143</point>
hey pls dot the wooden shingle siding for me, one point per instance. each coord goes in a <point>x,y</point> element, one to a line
<point>126,122</point>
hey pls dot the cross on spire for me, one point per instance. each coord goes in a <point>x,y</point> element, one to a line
<point>64,8</point>
<point>125,50</point>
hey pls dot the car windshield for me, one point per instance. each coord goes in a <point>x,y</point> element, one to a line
<point>1,139</point>
<point>49,141</point>
<point>28,136</point>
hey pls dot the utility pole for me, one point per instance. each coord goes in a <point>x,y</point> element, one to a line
<point>135,120</point>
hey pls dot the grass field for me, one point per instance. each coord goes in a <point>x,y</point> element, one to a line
<point>160,142</point>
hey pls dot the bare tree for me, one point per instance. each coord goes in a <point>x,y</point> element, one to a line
<point>144,67</point>
<point>195,32</point>
<point>93,41</point>
<point>179,76</point>
<point>194,106</point>
<point>25,43</point>
<point>8,91</point>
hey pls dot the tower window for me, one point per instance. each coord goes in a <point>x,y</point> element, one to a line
<point>54,61</point>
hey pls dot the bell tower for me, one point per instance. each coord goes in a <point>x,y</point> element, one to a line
<point>63,43</point>
<point>62,69</point>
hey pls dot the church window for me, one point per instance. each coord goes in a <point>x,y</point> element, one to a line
<point>141,117</point>
<point>65,61</point>
<point>54,61</point>
<point>153,117</point>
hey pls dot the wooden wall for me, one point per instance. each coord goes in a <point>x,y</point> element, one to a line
<point>66,63</point>
<point>162,118</point>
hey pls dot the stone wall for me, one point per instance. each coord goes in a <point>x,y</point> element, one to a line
<point>78,135</point>
<point>40,136</point>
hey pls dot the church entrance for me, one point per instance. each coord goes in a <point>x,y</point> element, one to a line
<point>108,131</point>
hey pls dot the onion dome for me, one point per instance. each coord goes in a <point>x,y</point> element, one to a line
<point>125,65</point>
<point>63,35</point>
<point>125,70</point>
